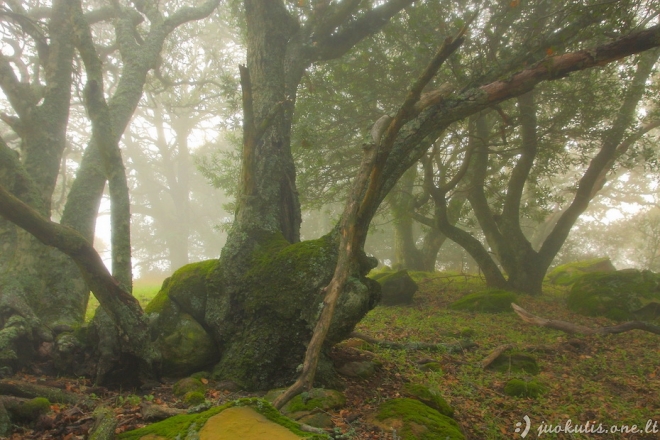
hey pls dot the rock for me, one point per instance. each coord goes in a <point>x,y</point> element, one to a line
<point>318,420</point>
<point>185,345</point>
<point>188,385</point>
<point>428,396</point>
<point>316,398</point>
<point>361,369</point>
<point>245,419</point>
<point>227,385</point>
<point>193,398</point>
<point>515,362</point>
<point>521,388</point>
<point>487,301</point>
<point>30,410</point>
<point>413,420</point>
<point>567,274</point>
<point>396,288</point>
<point>615,295</point>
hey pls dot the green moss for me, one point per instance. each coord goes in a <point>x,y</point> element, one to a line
<point>188,385</point>
<point>615,295</point>
<point>431,366</point>
<point>420,422</point>
<point>185,425</point>
<point>521,388</point>
<point>31,410</point>
<point>430,397</point>
<point>487,301</point>
<point>159,303</point>
<point>193,398</point>
<point>568,273</point>
<point>515,362</point>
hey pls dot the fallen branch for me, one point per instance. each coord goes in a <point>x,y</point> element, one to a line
<point>495,354</point>
<point>569,327</point>
<point>449,348</point>
<point>29,390</point>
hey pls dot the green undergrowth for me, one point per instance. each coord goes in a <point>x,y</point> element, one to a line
<point>607,379</point>
<point>144,290</point>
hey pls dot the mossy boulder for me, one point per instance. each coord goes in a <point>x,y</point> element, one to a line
<point>260,306</point>
<point>521,388</point>
<point>515,362</point>
<point>396,288</point>
<point>188,385</point>
<point>616,295</point>
<point>193,398</point>
<point>29,411</point>
<point>361,369</point>
<point>414,420</point>
<point>304,407</point>
<point>245,419</point>
<point>568,273</point>
<point>487,301</point>
<point>428,396</point>
<point>176,314</point>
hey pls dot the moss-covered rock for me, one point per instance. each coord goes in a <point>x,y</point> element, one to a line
<point>396,288</point>
<point>30,410</point>
<point>515,362</point>
<point>188,385</point>
<point>521,388</point>
<point>247,419</point>
<point>487,301</point>
<point>193,398</point>
<point>568,273</point>
<point>177,314</point>
<point>428,396</point>
<point>415,421</point>
<point>616,295</point>
<point>431,366</point>
<point>304,404</point>
<point>361,369</point>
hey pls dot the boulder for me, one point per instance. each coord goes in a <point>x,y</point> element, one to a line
<point>311,408</point>
<point>567,274</point>
<point>487,301</point>
<point>396,288</point>
<point>413,420</point>
<point>188,385</point>
<point>515,362</point>
<point>361,369</point>
<point>521,388</point>
<point>615,295</point>
<point>245,419</point>
<point>428,396</point>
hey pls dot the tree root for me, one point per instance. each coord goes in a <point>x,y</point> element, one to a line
<point>449,348</point>
<point>569,327</point>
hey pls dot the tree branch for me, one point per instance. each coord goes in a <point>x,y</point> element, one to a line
<point>569,327</point>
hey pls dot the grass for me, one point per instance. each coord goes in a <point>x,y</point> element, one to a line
<point>143,289</point>
<point>610,380</point>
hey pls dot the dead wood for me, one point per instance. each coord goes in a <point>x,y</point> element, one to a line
<point>569,327</point>
<point>19,388</point>
<point>495,354</point>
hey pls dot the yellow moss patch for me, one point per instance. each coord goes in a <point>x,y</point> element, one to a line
<point>241,422</point>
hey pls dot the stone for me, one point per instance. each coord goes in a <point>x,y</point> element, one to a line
<point>361,369</point>
<point>428,396</point>
<point>521,388</point>
<point>515,362</point>
<point>413,420</point>
<point>487,301</point>
<point>567,274</point>
<point>397,288</point>
<point>187,385</point>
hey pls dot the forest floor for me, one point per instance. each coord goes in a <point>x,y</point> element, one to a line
<point>610,380</point>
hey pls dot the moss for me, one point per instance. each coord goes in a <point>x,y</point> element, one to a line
<point>521,388</point>
<point>397,288</point>
<point>431,366</point>
<point>487,301</point>
<point>316,398</point>
<point>31,410</point>
<point>569,273</point>
<point>420,422</point>
<point>467,333</point>
<point>186,424</point>
<point>615,295</point>
<point>188,385</point>
<point>201,375</point>
<point>430,397</point>
<point>192,398</point>
<point>515,362</point>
